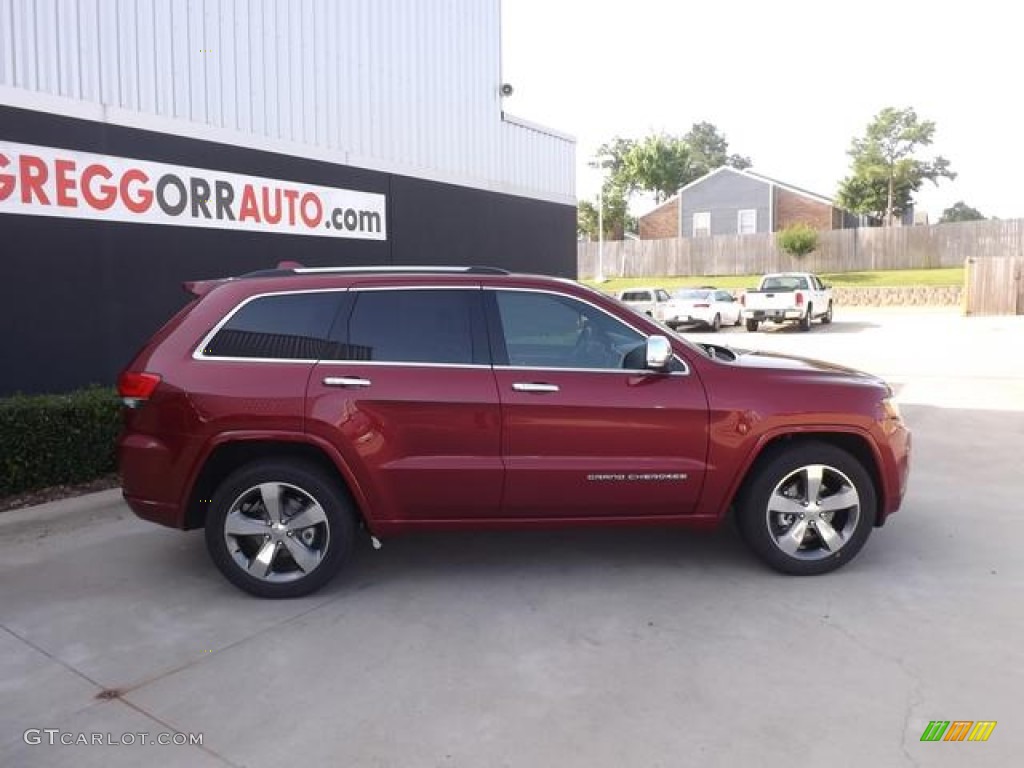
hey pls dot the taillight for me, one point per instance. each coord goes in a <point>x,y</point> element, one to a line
<point>135,388</point>
<point>799,299</point>
<point>701,306</point>
<point>743,300</point>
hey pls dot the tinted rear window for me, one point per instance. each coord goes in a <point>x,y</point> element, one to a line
<point>636,296</point>
<point>691,294</point>
<point>290,326</point>
<point>784,284</point>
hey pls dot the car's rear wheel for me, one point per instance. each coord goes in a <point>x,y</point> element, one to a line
<point>807,510</point>
<point>752,325</point>
<point>279,529</point>
<point>805,321</point>
<point>716,323</point>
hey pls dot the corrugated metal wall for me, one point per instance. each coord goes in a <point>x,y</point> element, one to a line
<point>405,85</point>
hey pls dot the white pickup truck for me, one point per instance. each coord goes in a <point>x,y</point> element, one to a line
<point>648,301</point>
<point>788,296</point>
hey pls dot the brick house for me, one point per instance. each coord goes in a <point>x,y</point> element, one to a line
<point>729,201</point>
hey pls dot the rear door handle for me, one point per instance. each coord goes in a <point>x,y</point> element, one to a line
<point>346,381</point>
<point>526,386</point>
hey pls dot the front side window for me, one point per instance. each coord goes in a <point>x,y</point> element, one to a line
<point>292,326</point>
<point>410,326</point>
<point>662,295</point>
<point>542,330</point>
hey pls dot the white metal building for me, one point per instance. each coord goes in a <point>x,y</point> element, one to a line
<point>397,102</point>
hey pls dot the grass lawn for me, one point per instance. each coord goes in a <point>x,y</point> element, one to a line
<point>887,278</point>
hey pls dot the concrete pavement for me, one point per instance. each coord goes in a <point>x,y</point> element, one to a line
<point>617,648</point>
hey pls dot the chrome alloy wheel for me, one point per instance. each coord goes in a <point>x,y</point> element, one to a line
<point>276,532</point>
<point>813,512</point>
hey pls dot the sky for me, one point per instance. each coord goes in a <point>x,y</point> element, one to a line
<point>789,82</point>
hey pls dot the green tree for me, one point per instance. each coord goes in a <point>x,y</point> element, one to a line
<point>798,240</point>
<point>709,150</point>
<point>616,219</point>
<point>612,155</point>
<point>960,211</point>
<point>885,170</point>
<point>659,164</point>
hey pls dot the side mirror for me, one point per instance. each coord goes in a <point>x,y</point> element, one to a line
<point>659,353</point>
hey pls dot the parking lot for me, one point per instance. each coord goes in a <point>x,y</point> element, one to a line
<point>611,648</point>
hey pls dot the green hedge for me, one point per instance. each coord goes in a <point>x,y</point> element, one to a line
<point>48,440</point>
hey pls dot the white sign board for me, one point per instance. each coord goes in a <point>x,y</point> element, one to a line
<point>45,181</point>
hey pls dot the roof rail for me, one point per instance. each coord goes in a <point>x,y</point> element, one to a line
<point>287,268</point>
<point>426,270</point>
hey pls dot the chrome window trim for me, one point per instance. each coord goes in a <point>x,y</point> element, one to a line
<point>404,364</point>
<point>630,371</point>
<point>218,359</point>
<point>675,356</point>
<point>197,353</point>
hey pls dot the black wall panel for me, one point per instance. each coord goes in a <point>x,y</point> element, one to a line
<point>78,297</point>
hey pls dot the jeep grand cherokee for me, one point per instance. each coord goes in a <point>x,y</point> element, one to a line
<point>285,409</point>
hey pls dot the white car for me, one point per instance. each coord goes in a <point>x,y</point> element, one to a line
<point>709,307</point>
<point>646,301</point>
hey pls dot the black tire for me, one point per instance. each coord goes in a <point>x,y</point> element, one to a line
<point>827,317</point>
<point>805,321</point>
<point>298,484</point>
<point>716,323</point>
<point>752,325</point>
<point>763,529</point>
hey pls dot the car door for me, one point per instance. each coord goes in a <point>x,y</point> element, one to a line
<point>586,430</point>
<point>661,302</point>
<point>820,298</point>
<point>406,394</point>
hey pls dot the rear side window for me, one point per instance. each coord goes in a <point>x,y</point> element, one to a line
<point>412,326</point>
<point>290,326</point>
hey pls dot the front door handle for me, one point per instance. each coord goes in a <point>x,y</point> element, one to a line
<point>526,386</point>
<point>346,381</point>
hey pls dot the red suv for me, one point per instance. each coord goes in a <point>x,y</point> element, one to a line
<point>284,409</point>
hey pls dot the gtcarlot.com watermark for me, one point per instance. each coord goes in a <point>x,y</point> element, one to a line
<point>55,736</point>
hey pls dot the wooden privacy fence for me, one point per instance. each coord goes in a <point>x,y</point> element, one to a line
<point>995,286</point>
<point>842,250</point>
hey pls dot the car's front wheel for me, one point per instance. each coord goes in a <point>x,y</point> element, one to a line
<point>807,510</point>
<point>752,325</point>
<point>279,529</point>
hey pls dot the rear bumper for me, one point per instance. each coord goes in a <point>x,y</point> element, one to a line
<point>688,318</point>
<point>155,511</point>
<point>149,475</point>
<point>775,315</point>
